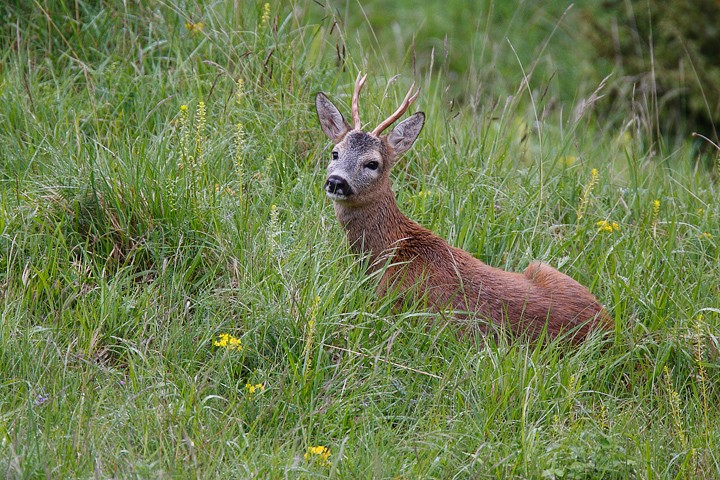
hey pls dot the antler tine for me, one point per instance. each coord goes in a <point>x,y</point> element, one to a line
<point>359,82</point>
<point>409,99</point>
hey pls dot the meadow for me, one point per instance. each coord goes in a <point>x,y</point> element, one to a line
<point>178,299</point>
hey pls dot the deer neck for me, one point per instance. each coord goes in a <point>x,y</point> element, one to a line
<point>374,227</point>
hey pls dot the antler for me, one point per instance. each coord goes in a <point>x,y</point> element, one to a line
<point>359,82</point>
<point>409,99</point>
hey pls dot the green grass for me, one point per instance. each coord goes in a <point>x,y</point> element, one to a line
<point>133,233</point>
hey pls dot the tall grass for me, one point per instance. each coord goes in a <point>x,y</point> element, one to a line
<point>136,229</point>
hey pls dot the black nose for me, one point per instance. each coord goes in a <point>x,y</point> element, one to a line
<point>337,185</point>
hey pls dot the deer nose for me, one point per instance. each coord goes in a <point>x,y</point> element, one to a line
<point>337,185</point>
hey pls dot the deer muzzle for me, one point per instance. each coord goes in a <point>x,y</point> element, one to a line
<point>337,187</point>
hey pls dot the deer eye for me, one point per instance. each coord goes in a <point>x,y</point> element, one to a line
<point>372,165</point>
<point>334,155</point>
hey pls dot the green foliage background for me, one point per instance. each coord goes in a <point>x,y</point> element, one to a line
<point>668,53</point>
<point>135,231</point>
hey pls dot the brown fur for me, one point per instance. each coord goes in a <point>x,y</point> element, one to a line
<point>421,264</point>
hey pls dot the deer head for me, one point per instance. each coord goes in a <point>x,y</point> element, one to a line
<point>360,166</point>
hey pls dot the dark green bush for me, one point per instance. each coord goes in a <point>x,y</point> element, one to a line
<point>668,54</point>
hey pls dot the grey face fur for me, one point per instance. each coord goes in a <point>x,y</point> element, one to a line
<point>360,162</point>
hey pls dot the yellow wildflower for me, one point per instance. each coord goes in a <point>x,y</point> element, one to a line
<point>194,27</point>
<point>266,14</point>
<point>604,424</point>
<point>320,454</point>
<point>252,389</point>
<point>607,227</point>
<point>655,215</point>
<point>310,333</point>
<point>655,211</point>
<point>422,194</point>
<point>594,175</point>
<point>228,341</point>
<point>707,235</point>
<point>675,408</point>
<point>556,425</point>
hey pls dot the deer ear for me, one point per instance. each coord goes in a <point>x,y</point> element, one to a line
<point>405,133</point>
<point>331,120</point>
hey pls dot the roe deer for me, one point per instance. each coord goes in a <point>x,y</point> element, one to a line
<point>421,264</point>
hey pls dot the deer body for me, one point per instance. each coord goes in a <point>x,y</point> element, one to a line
<point>421,264</point>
